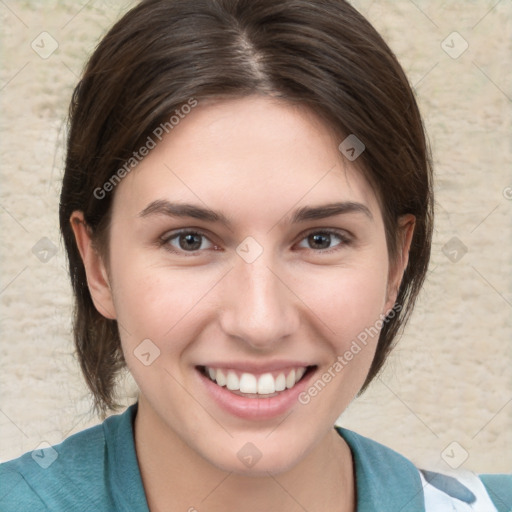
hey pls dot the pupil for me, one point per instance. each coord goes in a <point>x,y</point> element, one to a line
<point>190,242</point>
<point>320,241</point>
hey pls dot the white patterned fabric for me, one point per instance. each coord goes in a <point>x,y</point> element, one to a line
<point>460,492</point>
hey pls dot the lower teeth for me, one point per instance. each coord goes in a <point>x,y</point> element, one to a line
<point>254,395</point>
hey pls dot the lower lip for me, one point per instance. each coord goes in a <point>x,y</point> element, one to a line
<point>255,408</point>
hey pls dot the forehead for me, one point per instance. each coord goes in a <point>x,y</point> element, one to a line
<point>243,153</point>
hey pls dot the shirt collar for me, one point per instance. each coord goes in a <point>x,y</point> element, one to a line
<point>385,480</point>
<point>123,468</point>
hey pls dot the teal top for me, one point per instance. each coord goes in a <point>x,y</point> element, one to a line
<point>97,470</point>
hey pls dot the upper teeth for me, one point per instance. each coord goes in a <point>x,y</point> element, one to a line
<point>265,384</point>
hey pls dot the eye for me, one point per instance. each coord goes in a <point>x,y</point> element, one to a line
<point>187,241</point>
<point>323,240</point>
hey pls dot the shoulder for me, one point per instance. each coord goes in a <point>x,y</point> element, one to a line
<point>67,476</point>
<point>499,488</point>
<point>384,476</point>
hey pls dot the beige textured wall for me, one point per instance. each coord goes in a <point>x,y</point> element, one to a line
<point>449,380</point>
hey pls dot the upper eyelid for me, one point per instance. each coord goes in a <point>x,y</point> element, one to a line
<point>331,231</point>
<point>169,235</point>
<point>342,233</point>
<point>175,232</point>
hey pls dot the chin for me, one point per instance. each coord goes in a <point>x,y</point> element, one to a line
<point>259,457</point>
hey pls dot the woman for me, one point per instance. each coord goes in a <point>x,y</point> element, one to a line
<point>247,211</point>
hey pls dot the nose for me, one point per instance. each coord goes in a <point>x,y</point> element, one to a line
<point>258,307</point>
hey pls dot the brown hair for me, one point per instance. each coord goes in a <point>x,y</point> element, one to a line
<point>321,54</point>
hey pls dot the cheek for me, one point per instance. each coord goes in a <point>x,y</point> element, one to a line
<point>350,306</point>
<point>346,300</point>
<point>154,301</point>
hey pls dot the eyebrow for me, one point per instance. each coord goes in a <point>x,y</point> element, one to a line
<point>164,207</point>
<point>329,210</point>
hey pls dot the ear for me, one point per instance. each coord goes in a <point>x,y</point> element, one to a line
<point>397,267</point>
<point>95,269</point>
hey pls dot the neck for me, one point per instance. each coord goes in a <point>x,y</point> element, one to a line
<point>176,478</point>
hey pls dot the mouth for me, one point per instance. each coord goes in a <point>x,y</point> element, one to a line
<point>257,385</point>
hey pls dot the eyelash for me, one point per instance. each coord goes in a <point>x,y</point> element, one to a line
<point>345,240</point>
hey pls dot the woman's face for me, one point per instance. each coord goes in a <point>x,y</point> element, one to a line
<point>244,248</point>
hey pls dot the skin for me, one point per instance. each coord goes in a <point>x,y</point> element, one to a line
<point>255,160</point>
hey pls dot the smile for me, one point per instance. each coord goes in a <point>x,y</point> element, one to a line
<point>255,392</point>
<point>252,385</point>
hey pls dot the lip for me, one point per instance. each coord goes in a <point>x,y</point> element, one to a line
<point>256,408</point>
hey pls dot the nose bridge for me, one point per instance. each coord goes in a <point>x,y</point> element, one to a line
<point>258,308</point>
